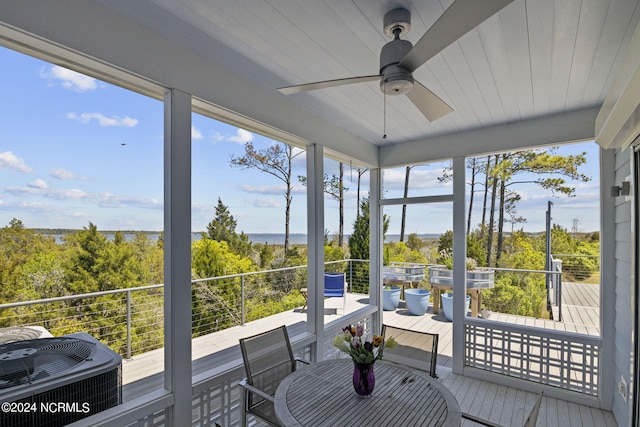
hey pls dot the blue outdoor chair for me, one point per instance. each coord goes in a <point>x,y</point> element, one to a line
<point>335,285</point>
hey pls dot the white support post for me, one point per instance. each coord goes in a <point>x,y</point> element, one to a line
<point>177,253</point>
<point>459,262</point>
<point>607,276</point>
<point>315,247</point>
<point>376,239</point>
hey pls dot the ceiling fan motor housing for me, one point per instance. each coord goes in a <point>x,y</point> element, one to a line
<point>395,80</point>
<point>396,19</point>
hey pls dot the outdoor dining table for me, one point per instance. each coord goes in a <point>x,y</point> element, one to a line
<point>322,394</point>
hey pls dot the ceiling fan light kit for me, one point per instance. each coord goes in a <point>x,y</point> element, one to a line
<point>399,58</point>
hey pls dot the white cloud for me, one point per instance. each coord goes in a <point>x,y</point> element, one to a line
<point>264,203</point>
<point>71,194</point>
<point>11,161</point>
<point>69,79</point>
<point>30,207</point>
<point>109,200</point>
<point>63,174</point>
<point>418,179</point>
<point>195,133</point>
<point>263,189</point>
<point>105,200</point>
<point>19,191</point>
<point>103,120</point>
<point>39,184</point>
<point>242,136</point>
<point>218,137</point>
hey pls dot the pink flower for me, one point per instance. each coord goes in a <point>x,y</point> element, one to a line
<point>359,330</point>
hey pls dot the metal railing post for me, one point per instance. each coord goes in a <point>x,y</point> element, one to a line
<point>560,296</point>
<point>128,324</point>
<point>350,275</point>
<point>242,300</point>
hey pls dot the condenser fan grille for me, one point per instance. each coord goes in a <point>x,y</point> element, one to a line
<point>26,362</point>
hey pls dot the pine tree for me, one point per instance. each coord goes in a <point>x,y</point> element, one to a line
<point>223,229</point>
<point>276,160</point>
<point>359,239</point>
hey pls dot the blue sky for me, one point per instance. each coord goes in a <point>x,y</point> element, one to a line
<point>75,150</point>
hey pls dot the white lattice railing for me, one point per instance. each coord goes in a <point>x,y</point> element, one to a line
<point>561,359</point>
<point>216,395</point>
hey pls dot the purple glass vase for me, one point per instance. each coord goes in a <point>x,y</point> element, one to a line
<point>363,378</point>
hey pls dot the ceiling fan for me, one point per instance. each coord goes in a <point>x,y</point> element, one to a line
<point>399,58</point>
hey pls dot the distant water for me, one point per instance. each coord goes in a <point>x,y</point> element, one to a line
<point>269,238</point>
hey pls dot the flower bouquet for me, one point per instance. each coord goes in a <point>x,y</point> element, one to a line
<point>364,354</point>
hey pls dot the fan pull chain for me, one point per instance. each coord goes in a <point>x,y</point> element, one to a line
<point>384,118</point>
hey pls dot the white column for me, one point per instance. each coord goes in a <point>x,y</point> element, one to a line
<point>608,277</point>
<point>376,240</point>
<point>459,262</point>
<point>315,246</point>
<point>177,253</point>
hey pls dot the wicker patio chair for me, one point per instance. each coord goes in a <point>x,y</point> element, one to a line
<point>268,359</point>
<point>416,349</point>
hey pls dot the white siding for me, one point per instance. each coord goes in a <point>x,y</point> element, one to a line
<point>623,304</point>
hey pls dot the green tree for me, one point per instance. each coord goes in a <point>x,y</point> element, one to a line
<point>580,258</point>
<point>82,266</point>
<point>359,241</point>
<point>223,229</point>
<point>540,164</point>
<point>475,249</point>
<point>414,242</point>
<point>400,252</point>
<point>211,258</point>
<point>517,292</point>
<point>216,305</point>
<point>18,247</point>
<point>333,253</point>
<point>267,255</point>
<point>41,277</point>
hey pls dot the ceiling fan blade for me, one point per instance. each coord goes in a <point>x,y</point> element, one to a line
<point>428,103</point>
<point>290,90</point>
<point>460,18</point>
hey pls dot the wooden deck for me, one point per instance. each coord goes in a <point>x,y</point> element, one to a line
<point>510,407</point>
<point>581,307</point>
<point>504,405</point>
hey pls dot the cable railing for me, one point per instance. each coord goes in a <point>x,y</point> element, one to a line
<point>131,320</point>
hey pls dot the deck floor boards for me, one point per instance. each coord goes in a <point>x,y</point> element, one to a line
<point>501,404</point>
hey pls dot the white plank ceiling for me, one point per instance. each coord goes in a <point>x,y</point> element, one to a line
<point>533,59</point>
